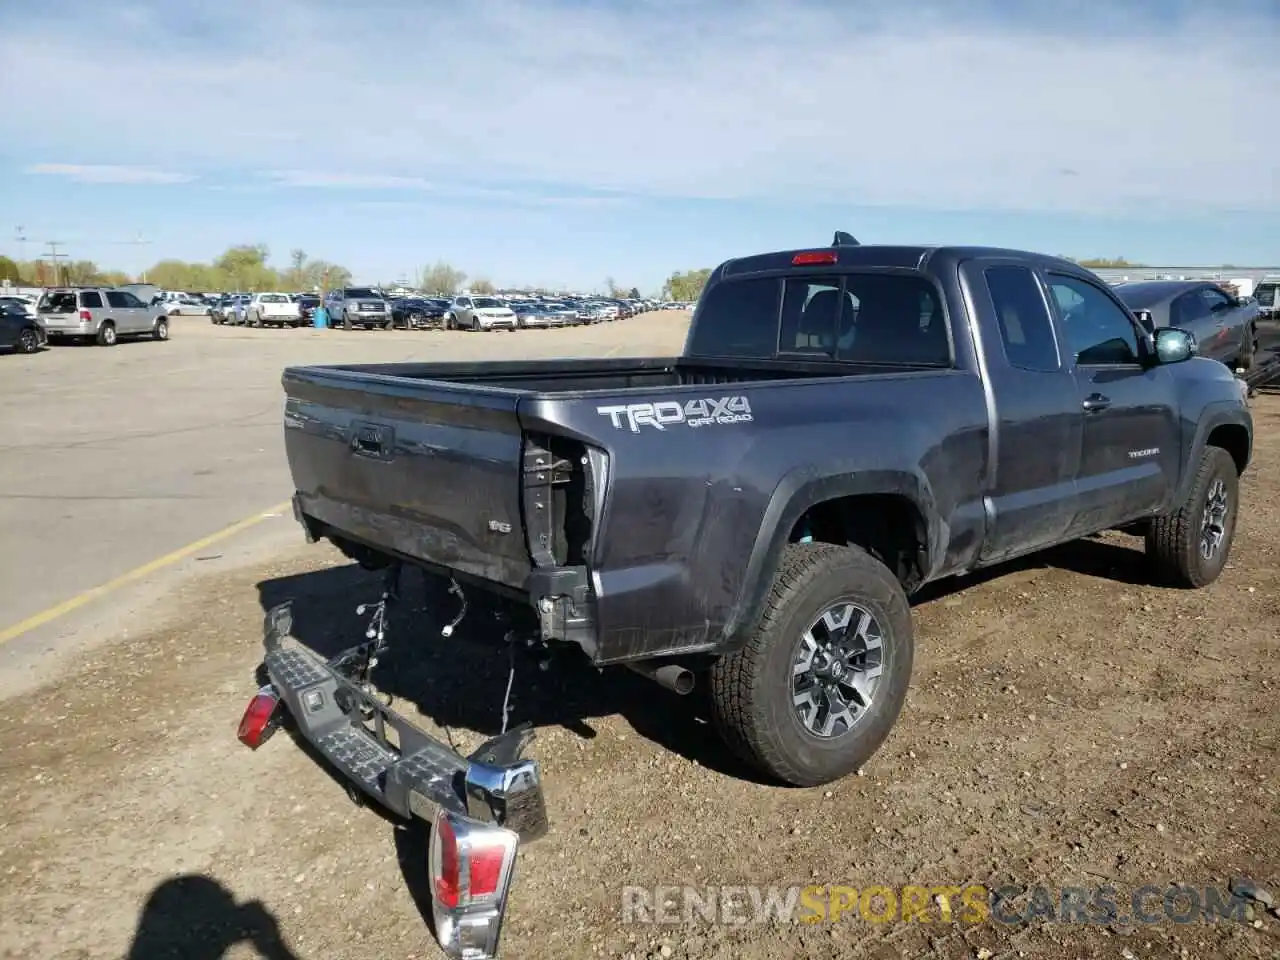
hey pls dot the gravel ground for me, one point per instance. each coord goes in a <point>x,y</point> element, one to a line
<point>1068,725</point>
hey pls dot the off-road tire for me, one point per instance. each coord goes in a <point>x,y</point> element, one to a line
<point>107,336</point>
<point>1173,541</point>
<point>1249,350</point>
<point>751,689</point>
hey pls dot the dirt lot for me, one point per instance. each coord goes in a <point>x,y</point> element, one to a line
<point>1068,726</point>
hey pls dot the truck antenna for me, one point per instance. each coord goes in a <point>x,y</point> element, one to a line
<point>844,240</point>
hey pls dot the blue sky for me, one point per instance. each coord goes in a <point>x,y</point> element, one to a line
<point>565,141</point>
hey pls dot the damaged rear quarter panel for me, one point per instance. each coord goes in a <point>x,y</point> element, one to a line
<point>696,515</point>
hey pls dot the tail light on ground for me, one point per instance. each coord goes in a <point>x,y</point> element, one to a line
<point>471,868</point>
<point>261,718</point>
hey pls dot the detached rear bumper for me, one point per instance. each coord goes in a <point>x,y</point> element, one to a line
<point>479,807</point>
<point>393,761</point>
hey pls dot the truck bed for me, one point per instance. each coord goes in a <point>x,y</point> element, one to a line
<point>579,376</point>
<point>436,462</point>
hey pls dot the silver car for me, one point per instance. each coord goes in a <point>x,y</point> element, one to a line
<point>101,314</point>
<point>1225,327</point>
<point>530,315</point>
<point>479,313</point>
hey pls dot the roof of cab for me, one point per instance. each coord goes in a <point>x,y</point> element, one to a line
<point>912,257</point>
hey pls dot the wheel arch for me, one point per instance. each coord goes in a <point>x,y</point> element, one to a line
<point>890,513</point>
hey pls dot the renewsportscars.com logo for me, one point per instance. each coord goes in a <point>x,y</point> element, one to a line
<point>665,413</point>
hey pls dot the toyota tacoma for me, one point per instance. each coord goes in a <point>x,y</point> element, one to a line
<point>844,425</point>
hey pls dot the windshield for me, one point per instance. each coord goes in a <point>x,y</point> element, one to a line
<point>355,293</point>
<point>64,301</point>
<point>273,298</point>
<point>486,303</point>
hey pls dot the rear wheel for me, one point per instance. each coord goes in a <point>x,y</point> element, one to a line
<point>820,682</point>
<point>107,335</point>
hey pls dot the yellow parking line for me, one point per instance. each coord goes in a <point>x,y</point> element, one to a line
<point>137,573</point>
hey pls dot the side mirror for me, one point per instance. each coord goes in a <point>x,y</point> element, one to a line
<point>1174,345</point>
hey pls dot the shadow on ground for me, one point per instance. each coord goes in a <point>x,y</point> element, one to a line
<point>194,917</point>
<point>459,682</point>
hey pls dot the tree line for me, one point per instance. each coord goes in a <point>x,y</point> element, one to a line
<point>243,267</point>
<point>246,267</point>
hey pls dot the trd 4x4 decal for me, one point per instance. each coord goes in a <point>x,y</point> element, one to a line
<point>665,413</point>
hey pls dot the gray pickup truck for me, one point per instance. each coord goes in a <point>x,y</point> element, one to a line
<point>357,307</point>
<point>845,425</point>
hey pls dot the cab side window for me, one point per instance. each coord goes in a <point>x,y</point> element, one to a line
<point>1098,330</point>
<point>1023,316</point>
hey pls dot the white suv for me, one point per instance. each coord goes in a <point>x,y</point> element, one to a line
<point>479,313</point>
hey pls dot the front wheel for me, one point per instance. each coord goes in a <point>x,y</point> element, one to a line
<point>1190,546</point>
<point>161,330</point>
<point>28,340</point>
<point>818,685</point>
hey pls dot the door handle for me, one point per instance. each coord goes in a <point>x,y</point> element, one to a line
<point>371,440</point>
<point>1095,402</point>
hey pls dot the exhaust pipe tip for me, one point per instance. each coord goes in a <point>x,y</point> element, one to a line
<point>677,679</point>
<point>682,681</point>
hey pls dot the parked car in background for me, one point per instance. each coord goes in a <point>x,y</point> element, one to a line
<point>1265,295</point>
<point>307,304</point>
<point>21,304</point>
<point>1225,328</point>
<point>479,313</point>
<point>533,315</point>
<point>272,310</point>
<point>357,307</point>
<point>20,331</point>
<point>562,315</point>
<point>99,313</point>
<point>178,303</point>
<point>418,313</point>
<point>229,309</point>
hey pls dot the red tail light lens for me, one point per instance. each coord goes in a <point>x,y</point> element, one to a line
<point>444,864</point>
<point>86,315</point>
<point>488,856</point>
<point>470,861</point>
<point>259,720</point>
<point>814,257</point>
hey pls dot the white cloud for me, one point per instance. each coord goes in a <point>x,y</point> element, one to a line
<point>357,181</point>
<point>312,179</point>
<point>108,173</point>
<point>769,98</point>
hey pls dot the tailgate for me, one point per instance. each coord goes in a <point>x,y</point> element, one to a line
<point>431,470</point>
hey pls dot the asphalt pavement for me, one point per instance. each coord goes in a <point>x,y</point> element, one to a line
<point>113,458</point>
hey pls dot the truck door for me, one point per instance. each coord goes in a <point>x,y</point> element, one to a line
<point>1131,444</point>
<point>1034,410</point>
